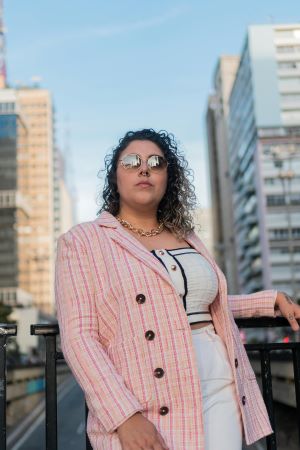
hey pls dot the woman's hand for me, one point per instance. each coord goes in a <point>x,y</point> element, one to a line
<point>138,433</point>
<point>285,306</point>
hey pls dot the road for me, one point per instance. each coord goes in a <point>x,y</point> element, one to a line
<point>70,422</point>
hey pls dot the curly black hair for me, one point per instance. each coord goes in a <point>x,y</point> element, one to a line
<point>175,208</point>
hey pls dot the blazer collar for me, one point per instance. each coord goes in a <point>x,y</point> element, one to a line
<point>121,236</point>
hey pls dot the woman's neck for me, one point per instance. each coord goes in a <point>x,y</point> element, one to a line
<point>141,219</point>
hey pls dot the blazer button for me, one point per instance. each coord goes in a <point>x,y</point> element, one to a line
<point>236,362</point>
<point>149,335</point>
<point>140,298</point>
<point>243,400</point>
<point>159,372</point>
<point>163,410</point>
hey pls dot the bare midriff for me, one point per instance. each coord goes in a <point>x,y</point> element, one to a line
<point>194,326</point>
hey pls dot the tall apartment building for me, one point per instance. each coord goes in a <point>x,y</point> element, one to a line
<point>264,159</point>
<point>37,109</point>
<point>64,208</point>
<point>15,207</point>
<point>35,205</point>
<point>220,182</point>
<point>203,226</point>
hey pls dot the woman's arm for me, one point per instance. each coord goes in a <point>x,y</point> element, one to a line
<point>106,394</point>
<point>258,304</point>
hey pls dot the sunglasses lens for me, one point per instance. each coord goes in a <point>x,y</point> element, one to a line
<point>131,161</point>
<point>157,162</point>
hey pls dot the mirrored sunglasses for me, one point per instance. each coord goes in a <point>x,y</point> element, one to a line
<point>134,161</point>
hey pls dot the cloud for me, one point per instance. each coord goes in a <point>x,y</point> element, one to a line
<point>113,30</point>
<point>110,30</point>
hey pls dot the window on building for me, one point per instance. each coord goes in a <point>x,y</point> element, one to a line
<point>283,233</point>
<point>269,181</point>
<point>284,33</point>
<point>276,200</point>
<point>288,64</point>
<point>290,97</point>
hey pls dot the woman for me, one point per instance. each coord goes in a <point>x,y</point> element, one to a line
<point>146,324</point>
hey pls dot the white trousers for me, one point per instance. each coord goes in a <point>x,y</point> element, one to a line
<point>222,416</point>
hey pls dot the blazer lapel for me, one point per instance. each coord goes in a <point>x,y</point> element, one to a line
<point>119,235</point>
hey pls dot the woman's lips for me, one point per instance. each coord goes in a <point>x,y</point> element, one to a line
<point>144,184</point>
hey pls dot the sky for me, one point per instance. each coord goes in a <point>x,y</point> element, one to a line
<point>120,65</point>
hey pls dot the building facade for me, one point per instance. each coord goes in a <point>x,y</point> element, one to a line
<point>220,181</point>
<point>15,208</point>
<point>203,226</point>
<point>36,107</point>
<point>264,159</point>
<point>35,204</point>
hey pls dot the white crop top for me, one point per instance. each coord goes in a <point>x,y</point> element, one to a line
<point>194,278</point>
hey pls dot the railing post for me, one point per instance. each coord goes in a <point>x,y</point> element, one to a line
<point>49,332</point>
<point>6,330</point>
<point>52,356</point>
<point>266,378</point>
<point>88,445</point>
<point>296,361</point>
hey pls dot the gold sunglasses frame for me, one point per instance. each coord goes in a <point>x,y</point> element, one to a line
<point>142,160</point>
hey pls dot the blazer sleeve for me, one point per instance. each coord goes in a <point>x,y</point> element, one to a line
<point>258,304</point>
<point>106,394</point>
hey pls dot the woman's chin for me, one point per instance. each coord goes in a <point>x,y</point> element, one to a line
<point>146,203</point>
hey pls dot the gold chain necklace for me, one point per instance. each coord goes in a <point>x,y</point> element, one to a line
<point>140,231</point>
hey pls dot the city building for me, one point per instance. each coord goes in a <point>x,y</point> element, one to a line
<point>220,181</point>
<point>36,107</point>
<point>64,208</point>
<point>203,227</point>
<point>264,159</point>
<point>35,202</point>
<point>15,206</point>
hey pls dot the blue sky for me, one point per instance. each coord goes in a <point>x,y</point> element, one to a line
<point>120,65</point>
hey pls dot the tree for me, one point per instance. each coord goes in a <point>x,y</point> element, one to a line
<point>13,356</point>
<point>5,311</point>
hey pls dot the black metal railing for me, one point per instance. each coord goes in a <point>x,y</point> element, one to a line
<point>6,330</point>
<point>265,350</point>
<point>50,333</point>
<point>52,356</point>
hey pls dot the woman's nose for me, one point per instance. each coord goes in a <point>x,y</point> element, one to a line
<point>144,167</point>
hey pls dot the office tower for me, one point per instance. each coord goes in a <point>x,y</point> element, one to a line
<point>264,159</point>
<point>203,226</point>
<point>15,207</point>
<point>29,179</point>
<point>220,182</point>
<point>36,107</point>
<point>63,200</point>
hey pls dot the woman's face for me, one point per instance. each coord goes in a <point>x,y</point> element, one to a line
<point>131,191</point>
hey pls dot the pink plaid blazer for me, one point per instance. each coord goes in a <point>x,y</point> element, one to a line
<point>110,290</point>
